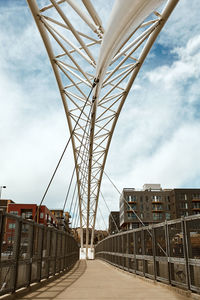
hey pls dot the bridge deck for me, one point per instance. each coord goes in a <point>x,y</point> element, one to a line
<point>98,280</point>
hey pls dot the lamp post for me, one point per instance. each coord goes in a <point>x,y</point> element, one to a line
<point>2,187</point>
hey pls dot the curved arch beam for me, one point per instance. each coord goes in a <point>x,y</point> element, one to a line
<point>124,47</point>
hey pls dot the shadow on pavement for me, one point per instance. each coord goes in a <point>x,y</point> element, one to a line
<point>50,290</point>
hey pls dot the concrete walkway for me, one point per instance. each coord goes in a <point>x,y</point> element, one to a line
<point>93,280</point>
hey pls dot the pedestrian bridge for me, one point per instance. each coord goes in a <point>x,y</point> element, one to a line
<point>94,279</point>
<point>150,262</point>
<point>95,69</point>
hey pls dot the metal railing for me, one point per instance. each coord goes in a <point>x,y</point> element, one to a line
<point>31,252</point>
<point>168,252</point>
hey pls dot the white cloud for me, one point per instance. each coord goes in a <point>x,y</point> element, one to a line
<point>157,134</point>
<point>181,70</point>
<point>156,138</point>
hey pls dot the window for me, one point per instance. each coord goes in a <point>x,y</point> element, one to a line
<point>196,205</point>
<point>183,205</point>
<point>196,196</point>
<point>13,212</point>
<point>9,239</point>
<point>131,215</point>
<point>27,214</point>
<point>157,216</point>
<point>41,215</point>
<point>25,227</point>
<point>133,206</point>
<point>132,198</point>
<point>167,216</point>
<point>11,226</point>
<point>157,207</point>
<point>183,197</point>
<point>184,213</point>
<point>156,198</point>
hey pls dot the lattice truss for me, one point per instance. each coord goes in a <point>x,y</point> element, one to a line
<point>72,32</point>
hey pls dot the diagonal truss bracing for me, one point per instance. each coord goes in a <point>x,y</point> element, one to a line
<point>84,56</point>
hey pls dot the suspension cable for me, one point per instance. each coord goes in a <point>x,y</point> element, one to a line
<point>75,187</point>
<point>85,132</point>
<point>143,225</point>
<point>109,211</point>
<point>102,218</point>
<point>69,189</point>
<point>58,164</point>
<point>75,207</point>
<point>76,215</point>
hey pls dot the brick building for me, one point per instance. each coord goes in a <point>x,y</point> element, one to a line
<point>27,211</point>
<point>4,204</point>
<point>154,205</point>
<point>63,219</point>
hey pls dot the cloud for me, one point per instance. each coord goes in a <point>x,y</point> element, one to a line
<point>181,70</point>
<point>156,138</point>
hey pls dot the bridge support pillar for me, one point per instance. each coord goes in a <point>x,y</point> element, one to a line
<point>84,255</point>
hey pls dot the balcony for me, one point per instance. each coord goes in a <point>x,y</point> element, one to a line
<point>157,201</point>
<point>157,209</point>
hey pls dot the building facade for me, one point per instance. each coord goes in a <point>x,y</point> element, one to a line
<point>4,204</point>
<point>63,219</point>
<point>187,202</point>
<point>154,205</point>
<point>114,225</point>
<point>30,212</point>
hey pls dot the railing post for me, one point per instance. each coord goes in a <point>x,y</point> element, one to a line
<point>143,251</point>
<point>40,241</point>
<point>2,228</point>
<point>64,257</point>
<point>127,251</point>
<point>154,252</point>
<point>168,251</point>
<point>186,251</point>
<point>30,251</point>
<point>49,251</point>
<point>55,251</point>
<point>134,241</point>
<point>122,251</point>
<point>18,229</point>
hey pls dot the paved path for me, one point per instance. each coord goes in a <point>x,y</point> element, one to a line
<point>94,280</point>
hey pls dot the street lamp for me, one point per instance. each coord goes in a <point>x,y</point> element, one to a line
<point>2,187</point>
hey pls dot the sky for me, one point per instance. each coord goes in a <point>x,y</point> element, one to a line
<point>156,139</point>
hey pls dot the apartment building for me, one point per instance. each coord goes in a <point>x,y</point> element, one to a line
<point>153,204</point>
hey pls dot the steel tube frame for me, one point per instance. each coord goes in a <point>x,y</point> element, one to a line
<point>101,127</point>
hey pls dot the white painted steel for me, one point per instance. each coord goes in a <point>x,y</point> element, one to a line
<point>125,17</point>
<point>124,47</point>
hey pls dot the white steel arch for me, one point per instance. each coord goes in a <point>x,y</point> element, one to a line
<point>82,51</point>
